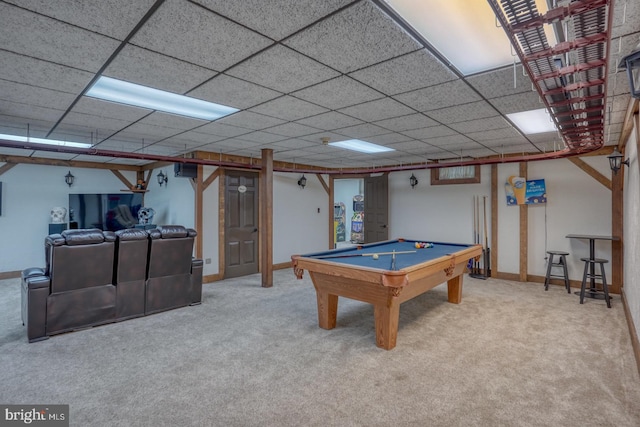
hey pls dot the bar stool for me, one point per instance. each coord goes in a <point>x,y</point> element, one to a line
<point>589,273</point>
<point>561,262</point>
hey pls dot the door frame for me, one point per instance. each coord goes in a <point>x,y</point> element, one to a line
<point>332,195</point>
<point>222,236</point>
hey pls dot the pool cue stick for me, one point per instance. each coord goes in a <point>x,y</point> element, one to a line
<point>393,261</point>
<point>486,238</point>
<point>365,254</point>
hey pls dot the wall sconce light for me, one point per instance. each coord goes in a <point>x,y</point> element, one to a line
<point>69,178</point>
<point>632,63</point>
<point>413,181</point>
<point>615,160</point>
<point>162,178</point>
<point>302,182</point>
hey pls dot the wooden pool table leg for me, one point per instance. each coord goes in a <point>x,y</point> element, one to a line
<point>327,309</point>
<point>387,316</point>
<point>455,289</point>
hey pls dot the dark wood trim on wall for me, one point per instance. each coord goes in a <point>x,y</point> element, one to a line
<point>266,218</point>
<point>221,235</point>
<point>199,190</point>
<point>633,333</point>
<point>494,218</point>
<point>524,231</point>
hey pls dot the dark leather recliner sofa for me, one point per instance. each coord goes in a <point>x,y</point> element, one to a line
<point>93,277</point>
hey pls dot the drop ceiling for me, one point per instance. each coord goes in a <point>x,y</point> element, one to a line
<point>298,71</point>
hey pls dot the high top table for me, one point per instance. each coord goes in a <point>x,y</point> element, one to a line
<point>591,292</point>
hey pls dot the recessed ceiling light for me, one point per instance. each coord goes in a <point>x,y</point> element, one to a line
<point>464,32</point>
<point>123,92</point>
<point>44,141</point>
<point>533,121</point>
<point>361,146</point>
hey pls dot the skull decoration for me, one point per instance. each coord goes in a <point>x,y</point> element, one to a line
<point>145,215</point>
<point>58,214</point>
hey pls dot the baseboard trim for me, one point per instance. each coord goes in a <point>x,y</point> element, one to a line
<point>539,279</point>
<point>9,275</point>
<point>633,333</point>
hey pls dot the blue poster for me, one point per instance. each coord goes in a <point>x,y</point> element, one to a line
<point>522,192</point>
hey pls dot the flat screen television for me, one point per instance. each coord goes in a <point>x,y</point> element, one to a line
<point>104,211</point>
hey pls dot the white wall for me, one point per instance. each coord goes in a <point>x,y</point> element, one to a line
<point>438,213</point>
<point>298,228</point>
<point>632,230</point>
<point>29,192</point>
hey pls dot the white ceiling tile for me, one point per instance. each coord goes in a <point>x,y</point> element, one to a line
<point>289,108</point>
<point>515,103</point>
<point>338,93</point>
<point>379,109</point>
<point>148,68</point>
<point>33,95</point>
<point>405,73</point>
<point>288,71</point>
<point>354,38</point>
<point>37,36</point>
<point>330,120</point>
<point>479,125</point>
<point>501,82</point>
<point>274,18</point>
<point>189,32</point>
<point>364,130</point>
<point>439,96</point>
<point>408,122</point>
<point>462,112</point>
<point>430,132</point>
<point>292,129</point>
<point>227,90</point>
<point>250,120</point>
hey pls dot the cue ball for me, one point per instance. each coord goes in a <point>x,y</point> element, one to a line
<point>375,256</point>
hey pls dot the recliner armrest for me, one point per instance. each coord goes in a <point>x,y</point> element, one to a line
<point>37,282</point>
<point>32,272</point>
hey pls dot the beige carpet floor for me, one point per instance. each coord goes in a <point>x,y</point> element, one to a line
<point>510,354</point>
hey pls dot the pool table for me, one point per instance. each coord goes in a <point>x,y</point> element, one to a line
<point>358,274</point>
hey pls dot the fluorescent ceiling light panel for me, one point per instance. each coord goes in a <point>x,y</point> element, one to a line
<point>533,121</point>
<point>465,32</point>
<point>361,146</point>
<point>123,92</point>
<point>44,141</point>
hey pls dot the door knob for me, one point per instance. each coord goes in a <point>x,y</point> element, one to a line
<point>383,226</point>
<point>254,230</point>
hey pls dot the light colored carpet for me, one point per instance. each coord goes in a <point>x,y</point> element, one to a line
<point>510,355</point>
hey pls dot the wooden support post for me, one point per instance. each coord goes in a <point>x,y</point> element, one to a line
<point>494,218</point>
<point>266,218</point>
<point>524,231</point>
<point>199,190</point>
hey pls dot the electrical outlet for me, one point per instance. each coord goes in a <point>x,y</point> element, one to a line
<point>207,261</point>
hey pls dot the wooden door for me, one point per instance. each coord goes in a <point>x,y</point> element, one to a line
<point>376,209</point>
<point>241,223</point>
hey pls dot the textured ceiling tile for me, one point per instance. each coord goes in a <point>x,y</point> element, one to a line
<point>477,152</point>
<point>250,120</point>
<point>408,122</point>
<point>410,145</point>
<point>101,127</point>
<point>115,18</point>
<point>42,73</point>
<point>377,110</point>
<point>446,141</point>
<point>330,120</point>
<point>318,137</point>
<point>463,112</point>
<point>32,95</point>
<point>516,103</point>
<point>194,137</point>
<point>292,130</point>
<point>500,142</point>
<point>479,125</point>
<point>37,36</point>
<point>99,108</point>
<point>289,108</point>
<point>544,137</point>
<point>338,93</point>
<point>227,90</point>
<point>354,38</point>
<point>430,132</point>
<point>405,73</point>
<point>494,134</point>
<point>136,65</point>
<point>295,143</point>
<point>171,121</point>
<point>146,134</point>
<point>440,96</point>
<point>27,112</point>
<point>496,83</point>
<point>274,18</point>
<point>288,71</point>
<point>24,126</point>
<point>362,131</point>
<point>191,33</point>
<point>388,138</point>
<point>261,137</point>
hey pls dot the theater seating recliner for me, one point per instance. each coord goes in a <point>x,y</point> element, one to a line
<point>93,277</point>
